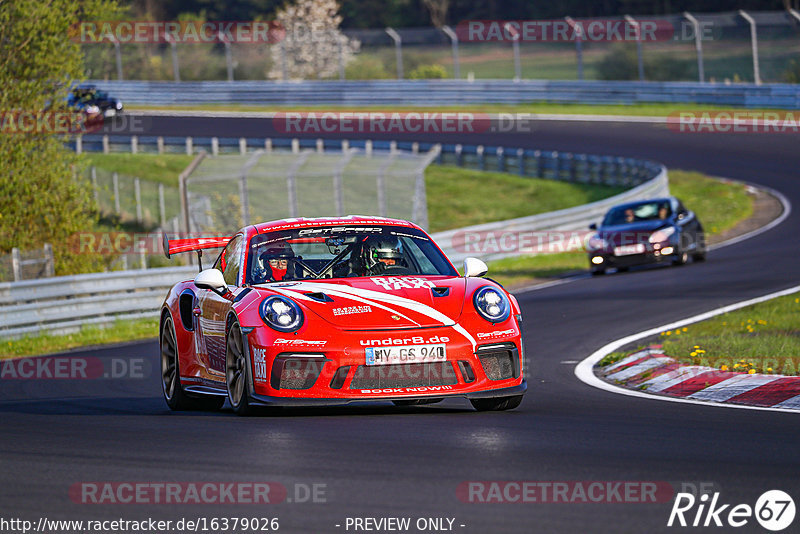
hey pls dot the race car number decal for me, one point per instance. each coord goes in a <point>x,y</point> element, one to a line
<point>402,282</point>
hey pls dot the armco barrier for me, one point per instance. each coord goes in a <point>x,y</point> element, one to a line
<point>65,303</point>
<point>450,92</point>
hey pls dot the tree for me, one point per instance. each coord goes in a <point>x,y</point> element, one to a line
<point>40,202</point>
<point>313,44</point>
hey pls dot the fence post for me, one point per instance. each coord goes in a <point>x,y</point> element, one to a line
<point>578,29</point>
<point>368,147</point>
<point>137,192</point>
<point>459,152</point>
<point>481,159</point>
<point>320,146</point>
<point>106,148</point>
<point>184,192</point>
<point>381,183</point>
<point>753,44</point>
<point>345,145</point>
<point>415,148</point>
<point>268,145</point>
<point>540,157</point>
<point>515,44</point>
<point>398,51</point>
<point>228,56</point>
<point>162,211</point>
<point>49,261</point>
<point>79,144</point>
<point>176,70</point>
<point>698,45</point>
<point>160,144</point>
<point>189,147</point>
<point>521,161</point>
<point>295,146</point>
<point>454,43</point>
<point>134,144</point>
<point>637,28</point>
<point>115,180</point>
<point>118,54</point>
<point>95,190</point>
<point>392,146</point>
<point>291,183</point>
<point>214,146</point>
<point>16,264</point>
<point>284,64</point>
<point>501,159</point>
<point>242,146</point>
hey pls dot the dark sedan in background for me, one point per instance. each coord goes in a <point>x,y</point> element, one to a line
<point>651,231</point>
<point>94,102</point>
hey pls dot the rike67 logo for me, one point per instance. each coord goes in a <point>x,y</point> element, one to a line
<point>774,510</point>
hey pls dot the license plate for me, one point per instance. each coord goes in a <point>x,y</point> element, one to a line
<point>627,250</point>
<point>406,354</point>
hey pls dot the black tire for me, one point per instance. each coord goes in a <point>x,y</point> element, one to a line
<point>496,404</point>
<point>598,271</point>
<point>174,395</point>
<point>680,258</point>
<point>416,402</point>
<point>622,269</point>
<point>237,371</point>
<point>699,257</point>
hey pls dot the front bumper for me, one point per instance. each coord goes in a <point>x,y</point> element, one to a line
<point>650,256</point>
<point>334,372</point>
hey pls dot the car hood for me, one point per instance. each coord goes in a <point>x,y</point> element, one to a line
<point>391,302</point>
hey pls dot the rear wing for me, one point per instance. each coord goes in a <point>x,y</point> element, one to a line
<point>178,246</point>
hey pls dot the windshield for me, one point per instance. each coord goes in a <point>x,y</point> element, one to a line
<point>646,211</point>
<point>343,252</point>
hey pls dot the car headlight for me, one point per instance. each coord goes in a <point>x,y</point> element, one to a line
<point>659,236</point>
<point>596,242</point>
<point>118,105</point>
<point>281,313</point>
<point>492,304</point>
<point>92,110</point>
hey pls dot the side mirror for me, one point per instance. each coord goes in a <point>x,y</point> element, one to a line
<point>473,268</point>
<point>211,279</point>
<point>593,226</point>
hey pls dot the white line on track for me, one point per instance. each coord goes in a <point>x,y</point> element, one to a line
<point>585,370</point>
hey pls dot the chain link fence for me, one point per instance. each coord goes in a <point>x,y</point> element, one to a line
<point>738,46</point>
<point>227,192</point>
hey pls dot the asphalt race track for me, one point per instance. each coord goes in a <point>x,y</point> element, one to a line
<point>382,461</point>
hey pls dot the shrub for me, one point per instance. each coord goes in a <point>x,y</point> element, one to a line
<point>428,72</point>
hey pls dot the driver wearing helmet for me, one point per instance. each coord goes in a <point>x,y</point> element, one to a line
<point>273,263</point>
<point>380,253</point>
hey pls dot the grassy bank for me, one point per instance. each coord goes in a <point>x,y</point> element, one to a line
<point>719,205</point>
<point>763,338</point>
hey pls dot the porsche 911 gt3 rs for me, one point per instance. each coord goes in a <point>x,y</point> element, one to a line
<point>331,311</point>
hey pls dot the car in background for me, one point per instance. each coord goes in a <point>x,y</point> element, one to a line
<point>330,311</point>
<point>96,104</point>
<point>659,230</point>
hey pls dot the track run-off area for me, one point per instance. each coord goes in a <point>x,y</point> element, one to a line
<point>380,461</point>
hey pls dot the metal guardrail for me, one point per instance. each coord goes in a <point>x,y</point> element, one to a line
<point>64,304</point>
<point>450,92</point>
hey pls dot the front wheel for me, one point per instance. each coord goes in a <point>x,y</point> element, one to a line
<point>236,371</point>
<point>496,404</point>
<point>177,399</point>
<point>681,258</point>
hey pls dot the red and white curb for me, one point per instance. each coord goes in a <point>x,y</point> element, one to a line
<point>651,375</point>
<point>653,372</point>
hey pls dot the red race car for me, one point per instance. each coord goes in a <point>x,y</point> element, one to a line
<point>330,311</point>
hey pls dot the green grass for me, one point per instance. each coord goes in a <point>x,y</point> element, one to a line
<point>119,331</point>
<point>459,197</point>
<point>764,337</point>
<point>720,205</point>
<point>646,110</point>
<point>160,168</point>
